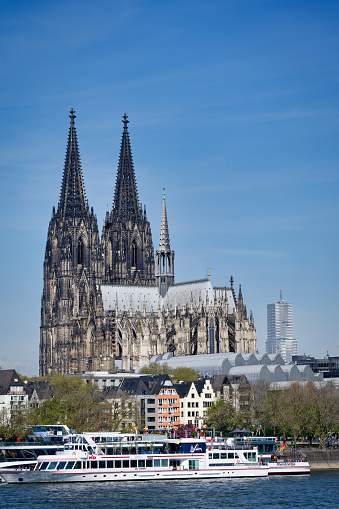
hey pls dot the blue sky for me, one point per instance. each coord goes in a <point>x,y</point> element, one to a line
<point>233,108</point>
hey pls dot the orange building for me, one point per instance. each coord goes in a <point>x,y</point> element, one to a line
<point>168,408</point>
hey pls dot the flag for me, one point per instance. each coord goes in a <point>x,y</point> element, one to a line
<point>283,447</point>
<point>259,427</point>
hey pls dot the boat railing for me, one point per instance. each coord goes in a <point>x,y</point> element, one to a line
<point>29,444</point>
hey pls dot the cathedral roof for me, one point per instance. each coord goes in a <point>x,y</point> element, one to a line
<point>72,201</point>
<point>126,201</point>
<point>148,297</point>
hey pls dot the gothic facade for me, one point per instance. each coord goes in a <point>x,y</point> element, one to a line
<point>112,303</point>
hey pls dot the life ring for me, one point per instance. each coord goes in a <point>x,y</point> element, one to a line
<point>74,453</point>
<point>289,460</point>
<point>238,461</point>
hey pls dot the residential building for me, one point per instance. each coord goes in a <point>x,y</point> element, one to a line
<point>195,399</point>
<point>12,395</point>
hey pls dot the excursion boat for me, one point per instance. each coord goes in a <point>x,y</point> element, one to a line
<point>127,457</point>
<point>24,454</point>
<point>268,451</point>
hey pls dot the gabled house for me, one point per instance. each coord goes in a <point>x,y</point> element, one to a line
<point>12,393</point>
<point>195,399</point>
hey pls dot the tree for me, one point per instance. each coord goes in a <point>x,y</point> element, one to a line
<point>183,374</point>
<point>154,368</point>
<point>76,404</point>
<point>222,416</point>
<point>179,374</point>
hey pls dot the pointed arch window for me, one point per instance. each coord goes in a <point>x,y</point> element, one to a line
<point>211,336</point>
<point>134,255</point>
<point>80,252</point>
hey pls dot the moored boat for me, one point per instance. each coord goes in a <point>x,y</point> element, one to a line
<point>122,457</point>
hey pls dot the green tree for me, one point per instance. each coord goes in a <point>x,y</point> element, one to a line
<point>76,404</point>
<point>222,416</point>
<point>154,368</point>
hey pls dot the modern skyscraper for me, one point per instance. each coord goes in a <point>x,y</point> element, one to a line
<point>279,330</point>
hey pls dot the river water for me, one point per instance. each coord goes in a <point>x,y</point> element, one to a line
<point>318,490</point>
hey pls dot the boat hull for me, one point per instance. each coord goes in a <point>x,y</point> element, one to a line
<point>289,468</point>
<point>23,477</point>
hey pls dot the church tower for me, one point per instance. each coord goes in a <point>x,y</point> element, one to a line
<point>126,237</point>
<point>71,336</point>
<point>164,256</point>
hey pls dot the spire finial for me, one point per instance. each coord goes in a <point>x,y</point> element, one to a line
<point>208,272</point>
<point>231,281</point>
<point>72,116</point>
<point>124,120</point>
<point>163,193</point>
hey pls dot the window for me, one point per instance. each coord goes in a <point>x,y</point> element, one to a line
<point>150,419</point>
<point>208,395</point>
<point>151,410</point>
<point>151,401</point>
<point>80,252</point>
<point>52,465</point>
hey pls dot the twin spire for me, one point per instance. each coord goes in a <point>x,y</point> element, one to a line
<point>126,201</point>
<point>126,208</point>
<point>72,202</point>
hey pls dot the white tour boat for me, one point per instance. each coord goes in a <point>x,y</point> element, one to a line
<point>127,457</point>
<point>269,452</point>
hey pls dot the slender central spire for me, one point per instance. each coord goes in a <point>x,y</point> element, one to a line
<point>72,202</point>
<point>164,244</point>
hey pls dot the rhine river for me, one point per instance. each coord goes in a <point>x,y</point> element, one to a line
<point>318,490</point>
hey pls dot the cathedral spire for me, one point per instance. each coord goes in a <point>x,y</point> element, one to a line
<point>164,244</point>
<point>72,202</point>
<point>126,202</point>
<point>164,256</point>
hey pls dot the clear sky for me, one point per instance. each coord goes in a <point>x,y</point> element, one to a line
<point>233,108</point>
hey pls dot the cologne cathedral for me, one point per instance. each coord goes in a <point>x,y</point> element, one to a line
<point>112,303</point>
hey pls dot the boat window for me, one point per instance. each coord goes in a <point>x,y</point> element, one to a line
<point>77,464</point>
<point>102,464</point>
<point>110,464</point>
<point>125,464</point>
<point>210,455</point>
<point>223,455</point>
<point>193,464</point>
<point>149,463</point>
<point>215,455</point>
<point>43,465</point>
<point>141,463</point>
<point>70,464</point>
<point>236,455</point>
<point>134,463</point>
<point>231,455</point>
<point>118,464</point>
<point>94,464</point>
<point>156,462</point>
<point>164,462</point>
<point>61,465</point>
<point>52,465</point>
